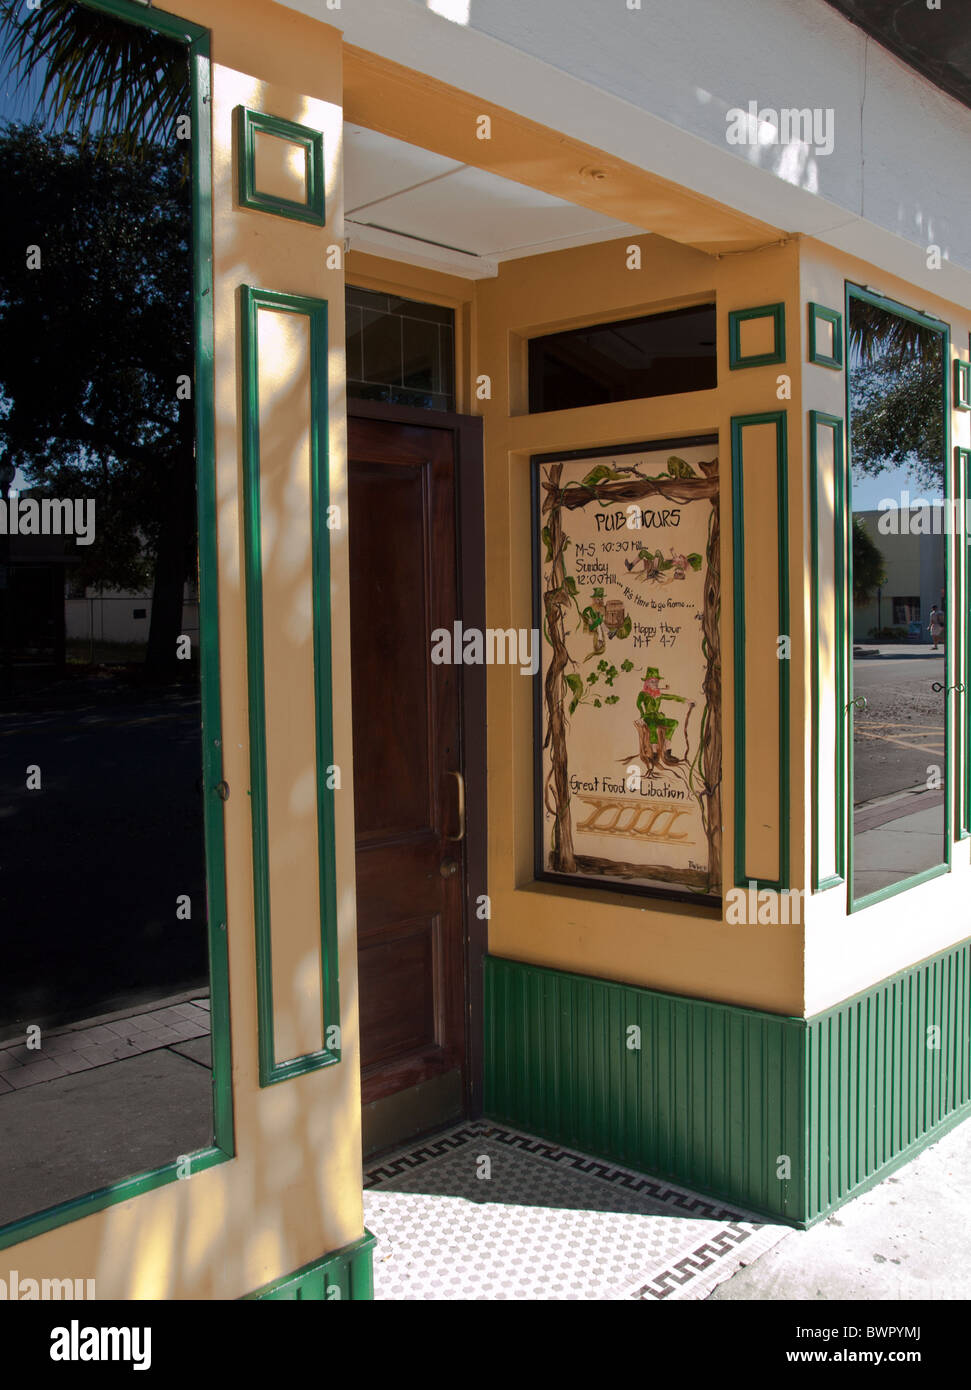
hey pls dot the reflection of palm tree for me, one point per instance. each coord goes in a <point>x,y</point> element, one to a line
<point>97,73</point>
<point>124,86</point>
<point>876,333</point>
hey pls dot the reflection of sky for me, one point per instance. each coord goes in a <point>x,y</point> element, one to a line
<point>18,103</point>
<point>869,492</point>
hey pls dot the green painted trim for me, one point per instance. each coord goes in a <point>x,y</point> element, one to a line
<point>819,419</point>
<point>739,424</point>
<point>139,12</point>
<point>736,317</point>
<point>251,302</point>
<point>52,1217</point>
<point>892,306</point>
<point>962,385</point>
<point>818,313</point>
<point>854,904</point>
<point>717,1093</point>
<point>249,124</point>
<point>223,1146</point>
<point>344,1274</point>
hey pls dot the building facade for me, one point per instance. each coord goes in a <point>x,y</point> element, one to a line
<point>471,279</point>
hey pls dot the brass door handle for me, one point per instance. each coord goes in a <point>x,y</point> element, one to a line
<point>460,780</point>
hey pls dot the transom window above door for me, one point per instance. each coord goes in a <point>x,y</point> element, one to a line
<point>400,350</point>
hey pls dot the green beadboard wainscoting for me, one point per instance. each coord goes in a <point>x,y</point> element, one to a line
<point>785,1116</point>
<point>343,1274</point>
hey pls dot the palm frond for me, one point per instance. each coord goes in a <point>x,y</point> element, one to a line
<point>876,333</point>
<point>99,76</point>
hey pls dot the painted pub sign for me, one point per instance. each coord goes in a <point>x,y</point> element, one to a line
<point>628,705</point>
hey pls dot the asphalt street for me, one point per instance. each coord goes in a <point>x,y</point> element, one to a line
<point>92,863</point>
<point>900,734</point>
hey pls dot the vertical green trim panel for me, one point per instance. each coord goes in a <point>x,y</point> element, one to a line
<point>819,420</point>
<point>962,478</point>
<point>712,1097</point>
<point>739,424</point>
<point>251,302</point>
<point>345,1274</point>
<point>204,382</point>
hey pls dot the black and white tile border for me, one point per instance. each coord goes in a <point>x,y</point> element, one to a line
<point>692,1276</point>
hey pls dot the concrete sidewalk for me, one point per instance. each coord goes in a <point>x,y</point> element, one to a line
<point>903,1240</point>
<point>897,651</point>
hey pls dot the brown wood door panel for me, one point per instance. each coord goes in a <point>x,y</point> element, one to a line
<point>398,1008</point>
<point>411,948</point>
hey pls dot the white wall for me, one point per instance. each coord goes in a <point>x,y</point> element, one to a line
<point>652,86</point>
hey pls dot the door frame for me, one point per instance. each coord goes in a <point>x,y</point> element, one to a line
<point>466,431</point>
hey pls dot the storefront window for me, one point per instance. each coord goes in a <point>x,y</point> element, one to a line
<point>899,507</point>
<point>109,838</point>
<point>657,355</point>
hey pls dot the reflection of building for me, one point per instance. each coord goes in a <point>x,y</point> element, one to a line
<point>915,573</point>
<point>513,198</point>
<point>117,617</point>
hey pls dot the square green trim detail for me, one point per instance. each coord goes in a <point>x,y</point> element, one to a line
<point>962,385</point>
<point>736,317</point>
<point>222,1148</point>
<point>249,124</point>
<point>251,302</point>
<point>818,313</point>
<point>345,1274</point>
<point>818,419</point>
<point>739,425</point>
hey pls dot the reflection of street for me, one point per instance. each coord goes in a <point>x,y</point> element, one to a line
<point>898,770</point>
<point>92,864</point>
<point>901,732</point>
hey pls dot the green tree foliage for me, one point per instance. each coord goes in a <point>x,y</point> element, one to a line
<point>896,395</point>
<point>897,417</point>
<point>92,347</point>
<point>869,568</point>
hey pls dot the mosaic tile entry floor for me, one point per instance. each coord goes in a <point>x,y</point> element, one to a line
<point>485,1212</point>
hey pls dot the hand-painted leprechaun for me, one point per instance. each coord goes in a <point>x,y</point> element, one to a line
<point>659,727</point>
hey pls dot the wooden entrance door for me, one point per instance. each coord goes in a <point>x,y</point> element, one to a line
<point>409,777</point>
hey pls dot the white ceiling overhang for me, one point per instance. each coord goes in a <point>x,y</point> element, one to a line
<point>422,208</point>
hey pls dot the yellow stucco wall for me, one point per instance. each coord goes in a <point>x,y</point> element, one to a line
<point>293,1192</point>
<point>666,946</point>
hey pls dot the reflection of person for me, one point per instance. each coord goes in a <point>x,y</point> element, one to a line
<point>659,726</point>
<point>936,626</point>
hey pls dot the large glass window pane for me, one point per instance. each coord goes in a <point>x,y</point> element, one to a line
<point>657,355</point>
<point>105,1066</point>
<point>899,520</point>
